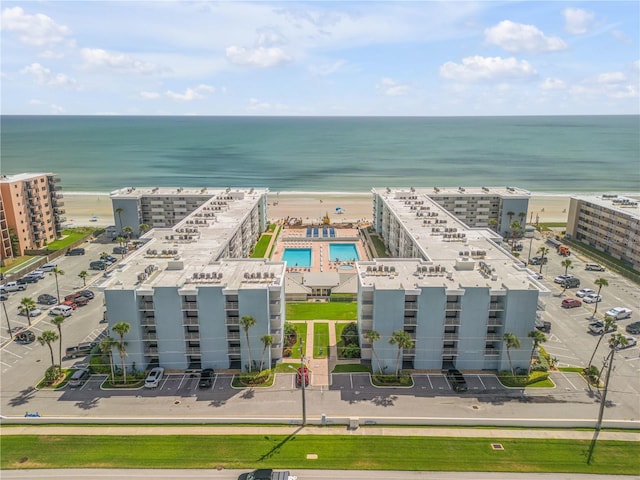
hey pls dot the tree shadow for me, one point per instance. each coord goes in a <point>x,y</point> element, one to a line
<point>23,397</point>
<point>277,447</point>
<point>381,401</point>
<point>248,394</point>
<point>88,404</point>
<point>218,403</point>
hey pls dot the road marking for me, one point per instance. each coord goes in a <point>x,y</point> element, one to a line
<point>15,354</point>
<point>181,380</point>
<point>570,383</point>
<point>483,385</point>
<point>6,364</point>
<point>351,380</point>
<point>430,384</point>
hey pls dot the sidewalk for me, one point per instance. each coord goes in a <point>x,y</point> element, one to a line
<point>129,430</point>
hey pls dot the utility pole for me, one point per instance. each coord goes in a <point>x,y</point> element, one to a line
<point>4,306</point>
<point>303,382</point>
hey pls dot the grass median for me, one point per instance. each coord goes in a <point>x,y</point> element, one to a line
<point>334,452</point>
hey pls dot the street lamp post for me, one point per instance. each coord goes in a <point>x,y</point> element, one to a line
<point>7,316</point>
<point>303,381</point>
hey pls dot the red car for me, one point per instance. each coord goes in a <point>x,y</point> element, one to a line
<point>69,303</point>
<point>302,371</point>
<point>570,303</point>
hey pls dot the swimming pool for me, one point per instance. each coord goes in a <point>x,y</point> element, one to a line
<point>344,252</point>
<point>297,257</point>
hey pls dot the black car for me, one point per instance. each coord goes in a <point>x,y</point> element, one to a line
<point>86,293</point>
<point>47,299</point>
<point>75,251</point>
<point>206,378</point>
<point>633,328</point>
<point>27,279</point>
<point>456,379</point>
<point>25,337</point>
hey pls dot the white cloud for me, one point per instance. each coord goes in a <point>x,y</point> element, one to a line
<point>56,109</point>
<point>611,77</point>
<point>517,37</point>
<point>256,105</point>
<point>119,62</point>
<point>578,21</point>
<point>36,30</point>
<point>327,68</point>
<point>149,95</point>
<point>553,84</point>
<point>388,86</point>
<point>262,57</point>
<point>190,94</point>
<point>44,76</point>
<point>479,68</point>
<point>50,54</point>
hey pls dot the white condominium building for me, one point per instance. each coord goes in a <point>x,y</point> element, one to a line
<point>186,289</point>
<point>608,223</point>
<point>454,289</point>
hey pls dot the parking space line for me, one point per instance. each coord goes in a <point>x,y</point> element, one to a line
<point>166,379</point>
<point>6,364</point>
<point>215,379</point>
<point>351,380</point>
<point>430,384</point>
<point>181,381</point>
<point>14,354</point>
<point>570,383</point>
<point>484,387</point>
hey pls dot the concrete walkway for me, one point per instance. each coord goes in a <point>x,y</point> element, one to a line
<point>630,436</point>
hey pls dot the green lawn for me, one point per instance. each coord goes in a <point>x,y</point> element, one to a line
<point>70,237</point>
<point>322,311</point>
<point>261,247</point>
<point>351,368</point>
<point>333,451</point>
<point>301,329</point>
<point>320,340</point>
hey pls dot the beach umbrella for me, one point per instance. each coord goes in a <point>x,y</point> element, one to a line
<point>338,208</point>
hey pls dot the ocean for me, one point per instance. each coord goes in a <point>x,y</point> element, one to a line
<point>550,154</point>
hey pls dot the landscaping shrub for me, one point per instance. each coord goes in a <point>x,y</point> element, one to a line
<point>350,335</point>
<point>350,351</point>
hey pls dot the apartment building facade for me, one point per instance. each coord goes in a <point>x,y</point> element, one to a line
<point>32,212</point>
<point>453,289</point>
<point>610,223</point>
<point>186,290</point>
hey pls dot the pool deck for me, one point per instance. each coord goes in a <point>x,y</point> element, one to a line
<point>320,261</point>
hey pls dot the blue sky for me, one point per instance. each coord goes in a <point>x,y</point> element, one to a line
<point>320,58</point>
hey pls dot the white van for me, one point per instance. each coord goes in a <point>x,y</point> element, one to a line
<point>595,267</point>
<point>64,310</point>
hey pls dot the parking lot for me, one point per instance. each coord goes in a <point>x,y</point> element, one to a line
<point>352,394</point>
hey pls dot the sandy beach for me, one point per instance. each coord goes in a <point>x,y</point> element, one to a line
<point>310,207</point>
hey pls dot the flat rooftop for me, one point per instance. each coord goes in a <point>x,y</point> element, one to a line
<point>463,256</point>
<point>512,192</point>
<point>138,192</point>
<point>188,253</point>
<point>21,177</point>
<point>617,203</point>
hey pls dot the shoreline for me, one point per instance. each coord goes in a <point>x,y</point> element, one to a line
<point>341,207</point>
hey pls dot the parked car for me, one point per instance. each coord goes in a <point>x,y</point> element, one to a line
<point>33,312</point>
<point>26,280</point>
<point>69,303</point>
<point>457,381</point>
<point>631,342</point>
<point>120,250</point>
<point>570,303</point>
<point>76,298</point>
<point>206,378</point>
<point>267,474</point>
<point>98,265</point>
<point>619,313</point>
<point>538,260</point>
<point>87,293</point>
<point>13,287</point>
<point>572,282</point>
<point>154,377</point>
<point>633,328</point>
<point>597,328</point>
<point>592,298</point>
<point>302,372</point>
<point>4,295</point>
<point>48,267</point>
<point>79,377</point>
<point>47,299</point>
<point>63,310</point>
<point>596,267</point>
<point>80,350</point>
<point>39,274</point>
<point>75,251</point>
<point>543,325</point>
<point>584,292</point>
<point>561,278</point>
<point>25,337</point>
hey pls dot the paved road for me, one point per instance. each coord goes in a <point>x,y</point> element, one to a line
<point>301,474</point>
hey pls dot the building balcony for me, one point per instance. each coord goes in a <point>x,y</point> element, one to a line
<point>150,337</point>
<point>496,307</point>
<point>192,335</point>
<point>494,337</point>
<point>145,306</point>
<point>194,351</point>
<point>189,321</point>
<point>410,321</point>
<point>151,350</point>
<point>453,306</point>
<point>495,322</point>
<point>492,352</point>
<point>450,351</point>
<point>452,321</point>
<point>233,336</point>
<point>231,306</point>
<point>233,351</point>
<point>410,306</point>
<point>232,321</point>
<point>451,336</point>
<point>189,306</point>
<point>148,322</point>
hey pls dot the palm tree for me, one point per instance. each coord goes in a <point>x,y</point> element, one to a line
<point>57,321</point>
<point>538,337</point>
<point>119,211</point>
<point>143,228</point>
<point>128,231</point>
<point>122,328</point>
<point>6,315</point>
<point>373,336</point>
<point>83,275</point>
<point>510,215</point>
<point>601,282</point>
<point>522,216</point>
<point>107,345</point>
<point>56,271</point>
<point>608,323</point>
<point>26,305</point>
<point>267,341</point>
<point>47,338</point>
<point>542,251</point>
<point>103,255</point>
<point>120,239</point>
<point>402,340</point>
<point>511,341</point>
<point>246,323</point>
<point>567,264</point>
